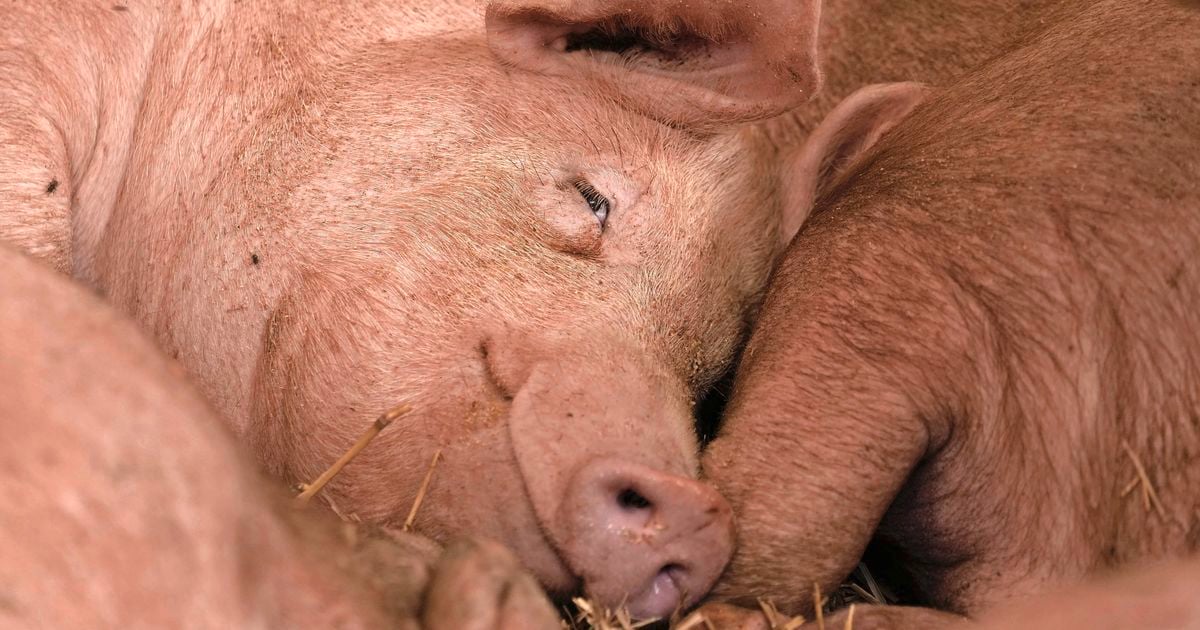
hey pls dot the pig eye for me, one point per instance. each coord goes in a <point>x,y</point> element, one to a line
<point>598,203</point>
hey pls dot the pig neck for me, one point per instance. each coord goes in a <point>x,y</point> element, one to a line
<point>877,41</point>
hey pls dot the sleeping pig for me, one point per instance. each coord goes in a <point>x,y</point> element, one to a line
<point>982,350</point>
<point>544,225</point>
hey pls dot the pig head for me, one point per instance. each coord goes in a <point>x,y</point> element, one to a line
<point>543,225</point>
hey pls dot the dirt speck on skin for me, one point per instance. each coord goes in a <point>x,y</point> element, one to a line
<point>8,605</point>
<point>255,260</point>
<point>1173,279</point>
<point>51,187</point>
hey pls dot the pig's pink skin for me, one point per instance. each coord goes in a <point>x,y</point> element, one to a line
<point>958,345</point>
<point>323,211</point>
<point>126,502</point>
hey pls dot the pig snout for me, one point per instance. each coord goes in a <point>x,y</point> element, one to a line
<point>653,540</point>
<point>605,445</point>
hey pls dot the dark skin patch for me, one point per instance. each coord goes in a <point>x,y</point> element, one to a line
<point>8,605</point>
<point>51,187</point>
<point>710,409</point>
<point>119,7</point>
<point>1173,279</point>
<point>254,259</point>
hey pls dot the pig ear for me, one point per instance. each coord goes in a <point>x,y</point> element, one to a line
<point>692,63</point>
<point>839,142</point>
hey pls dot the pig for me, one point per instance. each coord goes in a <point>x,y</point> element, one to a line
<point>981,349</point>
<point>127,503</point>
<point>543,225</point>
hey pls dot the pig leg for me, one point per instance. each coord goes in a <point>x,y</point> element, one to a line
<point>479,585</point>
<point>473,584</point>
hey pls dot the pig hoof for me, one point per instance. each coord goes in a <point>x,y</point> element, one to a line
<point>479,585</point>
<point>397,566</point>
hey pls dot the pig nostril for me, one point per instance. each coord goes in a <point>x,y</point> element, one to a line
<point>630,500</point>
<point>675,571</point>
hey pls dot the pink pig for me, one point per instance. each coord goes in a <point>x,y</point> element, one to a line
<point>545,225</point>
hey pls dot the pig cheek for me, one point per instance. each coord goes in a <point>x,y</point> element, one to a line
<point>475,488</point>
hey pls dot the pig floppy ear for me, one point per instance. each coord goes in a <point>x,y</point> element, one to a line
<point>839,142</point>
<point>693,63</point>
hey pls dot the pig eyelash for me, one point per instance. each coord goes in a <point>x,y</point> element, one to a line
<point>599,204</point>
